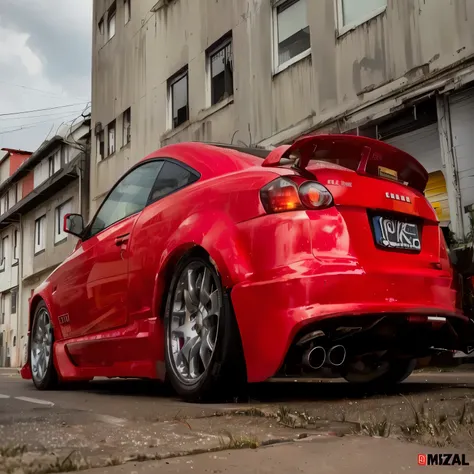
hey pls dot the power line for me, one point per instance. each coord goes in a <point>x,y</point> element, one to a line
<point>36,90</point>
<point>52,114</point>
<point>42,110</point>
<point>36,124</point>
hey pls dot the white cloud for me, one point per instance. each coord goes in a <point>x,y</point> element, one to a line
<point>13,47</point>
<point>45,56</point>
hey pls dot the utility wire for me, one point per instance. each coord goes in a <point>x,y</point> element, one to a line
<point>52,94</point>
<point>52,114</point>
<point>42,110</point>
<point>36,124</point>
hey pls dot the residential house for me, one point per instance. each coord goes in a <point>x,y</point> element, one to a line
<point>53,182</point>
<point>266,72</point>
<point>10,161</point>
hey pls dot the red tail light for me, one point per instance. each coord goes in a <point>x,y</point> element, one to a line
<point>284,194</point>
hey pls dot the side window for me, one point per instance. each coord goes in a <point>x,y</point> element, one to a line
<point>129,196</point>
<point>171,178</point>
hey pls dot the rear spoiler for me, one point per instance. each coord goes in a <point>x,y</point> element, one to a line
<point>364,155</point>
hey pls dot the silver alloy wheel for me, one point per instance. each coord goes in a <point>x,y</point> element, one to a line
<point>194,322</point>
<point>41,345</point>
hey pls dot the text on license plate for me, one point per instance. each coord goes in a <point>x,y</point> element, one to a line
<point>392,233</point>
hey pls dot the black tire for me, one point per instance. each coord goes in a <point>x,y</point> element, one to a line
<point>400,369</point>
<point>225,376</point>
<point>48,380</point>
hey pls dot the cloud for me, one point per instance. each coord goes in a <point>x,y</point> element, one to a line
<point>45,59</point>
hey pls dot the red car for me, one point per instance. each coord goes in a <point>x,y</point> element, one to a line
<point>213,265</point>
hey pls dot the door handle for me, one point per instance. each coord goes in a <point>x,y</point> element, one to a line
<point>121,240</point>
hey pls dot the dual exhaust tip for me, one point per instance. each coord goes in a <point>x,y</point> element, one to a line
<point>317,357</point>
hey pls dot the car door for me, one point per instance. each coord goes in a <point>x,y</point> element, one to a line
<point>95,278</point>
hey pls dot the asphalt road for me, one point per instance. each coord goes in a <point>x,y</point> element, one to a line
<point>111,421</point>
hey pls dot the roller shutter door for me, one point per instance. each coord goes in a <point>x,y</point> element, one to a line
<point>424,145</point>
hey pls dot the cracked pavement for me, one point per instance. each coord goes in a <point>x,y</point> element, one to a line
<point>134,425</point>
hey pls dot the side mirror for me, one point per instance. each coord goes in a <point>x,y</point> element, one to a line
<point>73,224</point>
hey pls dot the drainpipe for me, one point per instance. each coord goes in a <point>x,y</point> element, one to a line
<point>19,309</point>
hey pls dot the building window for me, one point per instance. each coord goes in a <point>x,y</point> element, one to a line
<point>2,307</point>
<point>18,190</point>
<point>4,203</point>
<point>111,17</point>
<point>127,127</point>
<point>178,91</point>
<point>291,32</point>
<point>351,14</point>
<point>100,146</point>
<point>16,247</point>
<point>40,231</point>
<point>3,253</point>
<point>51,166</point>
<point>111,135</point>
<point>221,64</point>
<point>127,4</point>
<point>61,211</point>
<point>14,297</point>
<point>101,26</point>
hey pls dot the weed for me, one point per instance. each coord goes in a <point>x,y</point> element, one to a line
<point>238,442</point>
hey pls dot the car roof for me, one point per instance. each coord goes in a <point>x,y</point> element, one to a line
<point>212,159</point>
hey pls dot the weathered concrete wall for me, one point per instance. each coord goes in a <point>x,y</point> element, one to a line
<point>409,42</point>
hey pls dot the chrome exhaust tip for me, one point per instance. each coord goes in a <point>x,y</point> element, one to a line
<point>337,355</point>
<point>315,357</point>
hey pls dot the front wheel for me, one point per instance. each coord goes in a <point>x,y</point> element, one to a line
<point>41,350</point>
<point>202,348</point>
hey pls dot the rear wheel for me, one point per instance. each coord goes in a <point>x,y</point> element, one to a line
<point>381,375</point>
<point>203,351</point>
<point>41,350</point>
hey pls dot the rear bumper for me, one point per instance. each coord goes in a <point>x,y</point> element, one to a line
<point>271,312</point>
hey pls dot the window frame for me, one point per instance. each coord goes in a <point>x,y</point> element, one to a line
<point>127,133</point>
<point>277,67</point>
<point>343,29</point>
<point>87,235</point>
<point>171,82</point>
<point>15,247</point>
<point>128,11</point>
<point>192,171</point>
<point>3,251</point>
<point>38,250</point>
<point>111,13</point>
<point>111,125</point>
<point>216,48</point>
<point>14,291</point>
<point>100,145</point>
<point>60,237</point>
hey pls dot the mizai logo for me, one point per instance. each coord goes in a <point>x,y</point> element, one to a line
<point>397,197</point>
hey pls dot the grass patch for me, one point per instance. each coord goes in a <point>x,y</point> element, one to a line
<point>238,442</point>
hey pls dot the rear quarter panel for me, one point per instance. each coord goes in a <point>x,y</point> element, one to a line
<point>205,214</point>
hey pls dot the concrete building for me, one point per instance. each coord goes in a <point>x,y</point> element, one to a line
<point>10,161</point>
<point>48,184</point>
<point>268,71</point>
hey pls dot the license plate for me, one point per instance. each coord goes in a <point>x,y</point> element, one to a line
<point>395,234</point>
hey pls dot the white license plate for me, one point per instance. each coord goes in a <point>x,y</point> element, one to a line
<point>395,234</point>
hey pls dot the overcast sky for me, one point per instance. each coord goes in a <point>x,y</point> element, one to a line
<point>44,45</point>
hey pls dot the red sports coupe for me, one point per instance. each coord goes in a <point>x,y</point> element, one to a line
<point>212,266</point>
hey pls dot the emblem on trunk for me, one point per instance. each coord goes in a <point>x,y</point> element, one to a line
<point>397,197</point>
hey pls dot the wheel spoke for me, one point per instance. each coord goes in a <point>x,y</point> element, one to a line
<point>205,289</point>
<point>192,293</point>
<point>214,298</point>
<point>194,367</point>
<point>205,351</point>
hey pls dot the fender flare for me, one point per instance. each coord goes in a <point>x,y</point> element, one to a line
<point>217,235</point>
